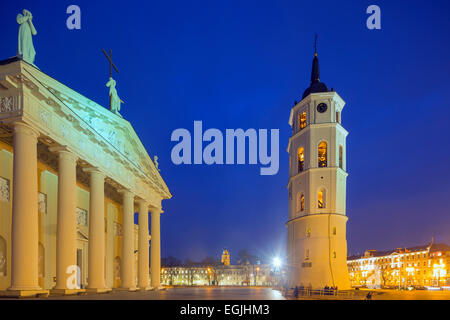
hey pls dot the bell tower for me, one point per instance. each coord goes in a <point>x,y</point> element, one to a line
<point>225,257</point>
<point>317,244</point>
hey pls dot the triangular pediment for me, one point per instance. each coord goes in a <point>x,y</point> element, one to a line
<point>81,235</point>
<point>118,134</point>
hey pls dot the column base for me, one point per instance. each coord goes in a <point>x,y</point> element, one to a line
<point>132,289</point>
<point>98,290</point>
<point>158,288</point>
<point>20,293</point>
<point>67,292</point>
<point>145,289</point>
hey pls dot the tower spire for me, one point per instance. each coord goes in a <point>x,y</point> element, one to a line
<point>315,84</point>
<point>315,72</point>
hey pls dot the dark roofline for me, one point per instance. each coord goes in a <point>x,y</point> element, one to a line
<point>10,60</point>
<point>434,247</point>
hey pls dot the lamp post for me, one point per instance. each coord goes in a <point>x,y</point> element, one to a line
<point>256,275</point>
<point>209,275</point>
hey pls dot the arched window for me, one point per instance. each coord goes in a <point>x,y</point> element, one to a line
<point>322,154</point>
<point>334,231</point>
<point>299,201</point>
<point>302,202</point>
<point>2,257</point>
<point>301,120</point>
<point>301,159</point>
<point>321,199</point>
<point>341,159</point>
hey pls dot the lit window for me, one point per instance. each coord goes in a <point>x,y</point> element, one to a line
<point>299,201</point>
<point>301,159</point>
<point>302,202</point>
<point>308,232</point>
<point>322,154</point>
<point>341,159</point>
<point>302,120</point>
<point>321,198</point>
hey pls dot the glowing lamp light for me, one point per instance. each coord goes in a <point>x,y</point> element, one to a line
<point>276,262</point>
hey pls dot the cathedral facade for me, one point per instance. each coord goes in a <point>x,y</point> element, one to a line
<point>316,244</point>
<point>72,176</point>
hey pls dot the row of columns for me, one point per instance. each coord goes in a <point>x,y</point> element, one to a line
<point>24,275</point>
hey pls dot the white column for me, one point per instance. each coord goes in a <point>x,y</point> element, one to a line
<point>143,246</point>
<point>128,278</point>
<point>66,237</point>
<point>96,253</point>
<point>24,232</point>
<point>155,249</point>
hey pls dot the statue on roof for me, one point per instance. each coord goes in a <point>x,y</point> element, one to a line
<point>25,48</point>
<point>113,96</point>
<point>155,161</point>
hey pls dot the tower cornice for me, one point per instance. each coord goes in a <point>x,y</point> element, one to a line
<point>298,175</point>
<point>316,125</point>
<point>314,96</point>
<point>315,215</point>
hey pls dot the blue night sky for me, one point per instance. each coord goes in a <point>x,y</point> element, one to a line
<point>241,64</point>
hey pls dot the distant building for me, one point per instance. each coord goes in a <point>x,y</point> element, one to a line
<point>225,258</point>
<point>218,274</point>
<point>420,266</point>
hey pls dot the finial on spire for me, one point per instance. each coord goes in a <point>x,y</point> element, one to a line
<point>315,44</point>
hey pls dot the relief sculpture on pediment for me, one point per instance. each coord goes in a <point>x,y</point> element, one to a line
<point>9,104</point>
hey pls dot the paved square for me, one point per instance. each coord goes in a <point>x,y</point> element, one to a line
<point>185,293</point>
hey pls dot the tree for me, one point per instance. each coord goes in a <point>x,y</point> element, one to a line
<point>244,257</point>
<point>170,262</point>
<point>210,261</point>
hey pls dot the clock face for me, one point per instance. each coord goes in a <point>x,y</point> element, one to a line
<point>322,107</point>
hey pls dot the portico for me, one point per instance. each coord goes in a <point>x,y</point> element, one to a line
<point>71,169</point>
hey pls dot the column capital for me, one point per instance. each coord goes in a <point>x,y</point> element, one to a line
<point>155,210</point>
<point>94,170</point>
<point>64,151</point>
<point>25,128</point>
<point>125,191</point>
<point>142,202</point>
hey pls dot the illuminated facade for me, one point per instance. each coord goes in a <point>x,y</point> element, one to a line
<point>225,257</point>
<point>422,266</point>
<point>72,175</point>
<point>316,244</point>
<point>222,275</point>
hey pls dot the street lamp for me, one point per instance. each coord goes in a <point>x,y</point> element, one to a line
<point>276,262</point>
